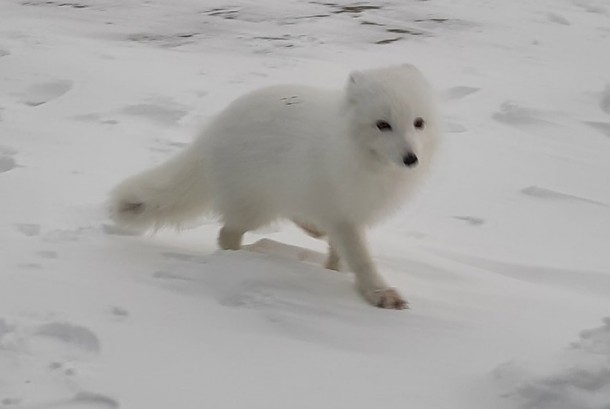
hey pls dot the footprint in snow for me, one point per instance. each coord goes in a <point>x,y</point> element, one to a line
<point>114,230</point>
<point>65,368</point>
<point>65,339</point>
<point>163,112</point>
<point>460,92</point>
<point>558,19</point>
<point>7,161</point>
<point>579,376</point>
<point>119,312</point>
<point>186,257</point>
<point>60,235</point>
<point>516,115</point>
<point>5,328</point>
<point>47,356</point>
<point>251,293</point>
<point>88,400</point>
<point>276,299</point>
<point>95,118</point>
<point>10,402</point>
<point>28,229</point>
<point>590,6</point>
<point>289,292</point>
<point>47,254</point>
<point>454,127</point>
<point>82,400</point>
<point>165,146</point>
<point>30,266</point>
<point>42,93</point>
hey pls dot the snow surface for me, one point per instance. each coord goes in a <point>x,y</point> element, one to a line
<point>504,254</point>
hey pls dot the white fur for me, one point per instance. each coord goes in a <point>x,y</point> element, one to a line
<point>302,153</point>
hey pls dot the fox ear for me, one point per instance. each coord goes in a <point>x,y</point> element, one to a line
<point>356,78</point>
<point>355,85</point>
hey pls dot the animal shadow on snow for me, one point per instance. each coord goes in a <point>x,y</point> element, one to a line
<point>286,287</point>
<point>263,274</point>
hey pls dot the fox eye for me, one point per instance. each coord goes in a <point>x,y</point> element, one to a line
<point>419,123</point>
<point>383,126</point>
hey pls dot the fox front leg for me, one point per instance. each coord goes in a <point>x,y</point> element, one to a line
<point>351,247</point>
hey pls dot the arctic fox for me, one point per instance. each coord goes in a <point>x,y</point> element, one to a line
<point>332,161</point>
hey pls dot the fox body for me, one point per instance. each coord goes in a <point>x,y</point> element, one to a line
<point>333,161</point>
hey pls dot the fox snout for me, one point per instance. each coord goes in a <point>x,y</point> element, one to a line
<point>410,160</point>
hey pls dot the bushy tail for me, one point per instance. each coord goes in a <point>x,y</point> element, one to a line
<point>170,194</point>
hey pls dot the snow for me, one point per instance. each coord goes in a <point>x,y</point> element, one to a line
<point>579,378</point>
<point>503,255</point>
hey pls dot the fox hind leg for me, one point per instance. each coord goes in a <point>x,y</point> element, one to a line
<point>237,221</point>
<point>229,238</point>
<point>332,260</point>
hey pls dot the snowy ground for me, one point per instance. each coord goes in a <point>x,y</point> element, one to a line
<point>504,255</point>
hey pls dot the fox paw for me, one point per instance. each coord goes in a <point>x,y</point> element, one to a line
<point>388,298</point>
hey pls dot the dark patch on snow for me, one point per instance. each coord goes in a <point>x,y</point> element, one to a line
<point>471,220</point>
<point>293,100</point>
<point>548,194</point>
<point>222,13</point>
<point>371,23</point>
<point>433,20</point>
<point>169,40</point>
<point>11,401</point>
<point>352,9</point>
<point>388,40</point>
<point>312,16</point>
<point>119,311</point>
<point>56,4</point>
<point>404,31</point>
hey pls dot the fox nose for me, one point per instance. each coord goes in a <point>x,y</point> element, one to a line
<point>410,159</point>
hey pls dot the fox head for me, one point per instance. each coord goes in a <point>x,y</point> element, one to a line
<point>392,115</point>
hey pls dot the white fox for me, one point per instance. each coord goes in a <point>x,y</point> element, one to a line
<point>333,161</point>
